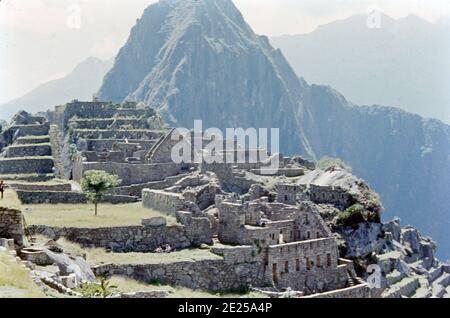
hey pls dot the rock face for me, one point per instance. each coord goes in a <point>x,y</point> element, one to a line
<point>197,54</point>
<point>200,60</point>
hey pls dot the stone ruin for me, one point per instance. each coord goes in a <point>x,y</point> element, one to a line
<point>272,233</point>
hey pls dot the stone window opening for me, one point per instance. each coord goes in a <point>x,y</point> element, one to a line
<point>308,263</point>
<point>318,261</point>
<point>329,260</point>
<point>308,235</point>
<point>274,273</point>
<point>297,265</point>
<point>286,267</point>
<point>318,234</point>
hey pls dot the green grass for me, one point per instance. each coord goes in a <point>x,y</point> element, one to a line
<point>15,281</point>
<point>10,200</point>
<point>96,256</point>
<point>82,215</point>
<point>127,285</point>
<point>45,183</point>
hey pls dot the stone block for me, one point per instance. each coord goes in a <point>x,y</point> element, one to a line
<point>154,222</point>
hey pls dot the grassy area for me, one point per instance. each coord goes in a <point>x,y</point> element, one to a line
<point>48,182</point>
<point>10,200</point>
<point>82,215</point>
<point>100,256</point>
<point>15,281</point>
<point>126,285</point>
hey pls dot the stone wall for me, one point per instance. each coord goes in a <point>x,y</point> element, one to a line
<point>128,173</point>
<point>167,202</point>
<point>130,238</point>
<point>131,134</point>
<point>57,145</point>
<point>310,266</point>
<point>99,145</point>
<point>33,150</point>
<point>67,197</point>
<point>29,130</point>
<point>198,229</point>
<point>40,165</point>
<point>136,189</point>
<point>32,140</point>
<point>358,291</point>
<point>331,195</point>
<point>65,187</point>
<point>212,275</point>
<point>11,225</point>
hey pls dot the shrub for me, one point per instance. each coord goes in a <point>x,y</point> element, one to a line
<point>353,216</point>
<point>328,162</point>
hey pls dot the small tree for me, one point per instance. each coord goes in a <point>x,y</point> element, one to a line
<point>95,183</point>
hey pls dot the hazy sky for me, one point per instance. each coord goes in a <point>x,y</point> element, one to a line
<point>42,40</point>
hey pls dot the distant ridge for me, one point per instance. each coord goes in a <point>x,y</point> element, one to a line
<point>81,84</point>
<point>403,63</point>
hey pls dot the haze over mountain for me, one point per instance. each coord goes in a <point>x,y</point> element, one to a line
<point>404,63</point>
<point>200,60</point>
<point>81,84</point>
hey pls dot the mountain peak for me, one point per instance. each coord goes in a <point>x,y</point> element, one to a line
<point>201,60</point>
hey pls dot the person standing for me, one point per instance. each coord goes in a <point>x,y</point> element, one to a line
<point>2,188</point>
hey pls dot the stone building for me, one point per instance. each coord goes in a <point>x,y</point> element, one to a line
<point>295,247</point>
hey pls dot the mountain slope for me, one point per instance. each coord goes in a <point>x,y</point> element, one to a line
<point>192,54</point>
<point>81,83</point>
<point>200,60</point>
<point>404,63</point>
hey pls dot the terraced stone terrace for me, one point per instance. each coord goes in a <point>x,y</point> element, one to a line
<point>82,215</point>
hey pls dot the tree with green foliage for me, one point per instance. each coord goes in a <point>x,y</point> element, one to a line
<point>95,183</point>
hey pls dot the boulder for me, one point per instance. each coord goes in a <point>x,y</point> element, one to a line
<point>154,222</point>
<point>72,265</point>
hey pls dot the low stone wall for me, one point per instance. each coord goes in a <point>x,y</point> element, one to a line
<point>27,140</point>
<point>359,291</point>
<point>11,225</point>
<point>212,275</point>
<point>65,187</point>
<point>136,189</point>
<point>39,165</point>
<point>118,134</point>
<point>162,201</point>
<point>129,238</point>
<point>99,145</point>
<point>129,173</point>
<point>33,150</point>
<point>30,130</point>
<point>67,197</point>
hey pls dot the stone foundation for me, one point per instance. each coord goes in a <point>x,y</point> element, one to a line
<point>32,150</point>
<point>162,201</point>
<point>39,165</point>
<point>62,197</point>
<point>11,225</point>
<point>130,238</point>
